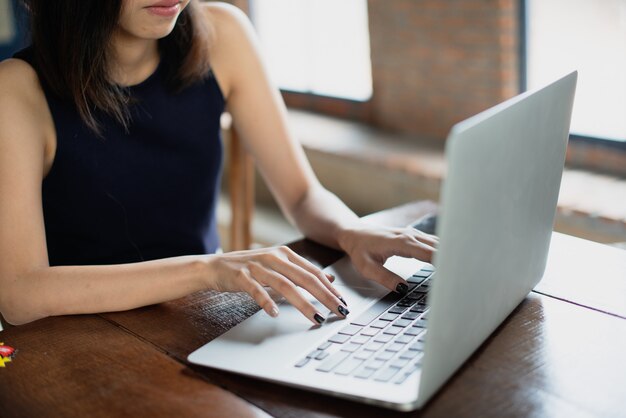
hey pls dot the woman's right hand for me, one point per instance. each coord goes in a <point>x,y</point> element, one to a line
<point>281,269</point>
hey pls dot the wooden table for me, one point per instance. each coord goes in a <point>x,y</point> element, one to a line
<point>560,353</point>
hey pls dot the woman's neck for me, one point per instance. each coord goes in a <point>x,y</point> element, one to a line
<point>132,59</point>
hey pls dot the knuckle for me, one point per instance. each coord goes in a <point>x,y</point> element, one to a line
<point>284,249</point>
<point>285,286</point>
<point>269,257</point>
<point>257,294</point>
<point>368,269</point>
<point>242,275</point>
<point>254,267</point>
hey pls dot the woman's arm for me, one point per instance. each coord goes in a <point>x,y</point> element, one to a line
<point>30,289</point>
<point>260,117</point>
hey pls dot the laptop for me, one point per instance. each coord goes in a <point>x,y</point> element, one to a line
<point>498,203</point>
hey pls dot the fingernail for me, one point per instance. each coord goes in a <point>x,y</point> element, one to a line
<point>343,310</point>
<point>318,318</point>
<point>402,288</point>
<point>274,312</point>
<point>330,276</point>
<point>343,301</point>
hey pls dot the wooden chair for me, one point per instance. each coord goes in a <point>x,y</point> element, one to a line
<point>240,177</point>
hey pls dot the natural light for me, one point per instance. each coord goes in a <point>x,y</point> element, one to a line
<point>589,36</point>
<point>319,46</point>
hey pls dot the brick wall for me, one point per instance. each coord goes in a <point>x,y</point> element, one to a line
<point>436,62</point>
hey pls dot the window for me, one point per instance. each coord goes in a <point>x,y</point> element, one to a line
<point>316,46</point>
<point>589,36</point>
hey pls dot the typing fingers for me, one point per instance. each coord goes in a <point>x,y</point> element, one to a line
<point>375,271</point>
<point>311,282</point>
<point>319,274</point>
<point>287,288</point>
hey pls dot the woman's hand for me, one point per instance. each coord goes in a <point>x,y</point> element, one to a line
<point>370,246</point>
<point>280,269</point>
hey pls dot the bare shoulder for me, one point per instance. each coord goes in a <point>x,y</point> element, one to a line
<point>25,119</point>
<point>225,17</point>
<point>234,46</point>
<point>18,81</point>
<point>21,95</point>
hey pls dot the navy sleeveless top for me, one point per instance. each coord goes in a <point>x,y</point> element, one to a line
<point>142,194</point>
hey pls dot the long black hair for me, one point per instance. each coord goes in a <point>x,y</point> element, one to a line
<point>71,41</point>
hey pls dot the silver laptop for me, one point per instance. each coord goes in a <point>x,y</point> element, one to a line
<point>498,205</point>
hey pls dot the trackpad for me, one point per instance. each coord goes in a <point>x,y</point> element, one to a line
<point>261,329</point>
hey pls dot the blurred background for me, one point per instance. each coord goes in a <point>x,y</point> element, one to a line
<point>374,86</point>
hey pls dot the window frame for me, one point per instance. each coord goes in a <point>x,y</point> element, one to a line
<point>358,110</point>
<point>575,139</point>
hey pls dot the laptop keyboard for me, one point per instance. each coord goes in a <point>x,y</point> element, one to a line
<point>385,343</point>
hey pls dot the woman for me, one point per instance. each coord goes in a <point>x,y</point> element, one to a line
<point>110,159</point>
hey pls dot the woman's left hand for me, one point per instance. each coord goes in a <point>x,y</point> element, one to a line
<point>370,246</point>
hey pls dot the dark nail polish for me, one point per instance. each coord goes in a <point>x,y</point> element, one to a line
<point>402,288</point>
<point>343,301</point>
<point>318,318</point>
<point>343,310</point>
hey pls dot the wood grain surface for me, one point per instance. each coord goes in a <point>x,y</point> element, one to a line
<point>84,366</point>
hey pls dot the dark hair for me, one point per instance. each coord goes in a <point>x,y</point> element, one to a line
<point>71,40</point>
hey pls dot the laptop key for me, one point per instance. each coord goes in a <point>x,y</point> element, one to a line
<point>322,355</point>
<point>404,339</point>
<point>386,374</point>
<point>389,316</point>
<point>348,366</point>
<point>410,354</point>
<point>404,375</point>
<point>351,330</point>
<point>363,354</point>
<point>314,353</point>
<point>375,364</point>
<point>370,331</point>
<point>333,361</point>
<point>402,323</point>
<point>364,373</point>
<point>383,338</point>
<point>379,324</point>
<point>397,309</point>
<point>360,339</point>
<point>350,347</point>
<point>376,309</point>
<point>410,315</point>
<point>373,346</point>
<point>339,338</point>
<point>417,346</point>
<point>414,331</point>
<point>395,347</point>
<point>324,346</point>
<point>419,308</point>
<point>303,362</point>
<point>399,363</point>
<point>392,330</point>
<point>421,323</point>
<point>385,355</point>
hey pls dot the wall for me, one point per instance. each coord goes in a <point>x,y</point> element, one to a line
<point>434,63</point>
